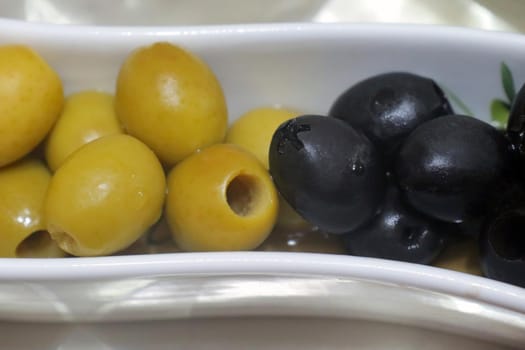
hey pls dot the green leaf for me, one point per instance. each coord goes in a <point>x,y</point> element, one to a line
<point>499,111</point>
<point>508,82</point>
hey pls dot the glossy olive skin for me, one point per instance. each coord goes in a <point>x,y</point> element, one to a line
<point>23,187</point>
<point>399,232</point>
<point>502,242</point>
<point>87,116</point>
<point>331,174</point>
<point>502,247</point>
<point>220,199</point>
<point>253,132</point>
<point>516,123</point>
<point>254,129</point>
<point>387,107</point>
<point>449,167</point>
<point>105,196</point>
<point>516,129</point>
<point>171,100</point>
<point>31,98</point>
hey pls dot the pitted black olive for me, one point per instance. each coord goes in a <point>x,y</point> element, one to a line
<point>330,173</point>
<point>450,167</point>
<point>516,128</point>
<point>399,232</point>
<point>502,247</point>
<point>387,107</point>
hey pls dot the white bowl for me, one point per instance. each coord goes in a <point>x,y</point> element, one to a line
<point>299,65</point>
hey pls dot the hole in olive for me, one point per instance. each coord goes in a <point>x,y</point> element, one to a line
<point>35,245</point>
<point>244,194</point>
<point>507,236</point>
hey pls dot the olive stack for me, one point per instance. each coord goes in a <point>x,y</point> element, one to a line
<point>395,171</point>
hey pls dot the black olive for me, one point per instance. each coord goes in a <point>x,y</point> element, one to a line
<point>516,123</point>
<point>516,127</point>
<point>505,195</point>
<point>399,233</point>
<point>502,247</point>
<point>449,168</point>
<point>387,107</point>
<point>327,171</point>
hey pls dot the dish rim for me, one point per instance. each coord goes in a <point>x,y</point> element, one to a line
<point>430,278</point>
<point>293,30</point>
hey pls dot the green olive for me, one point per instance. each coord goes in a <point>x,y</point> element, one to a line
<point>104,196</point>
<point>221,198</point>
<point>171,100</point>
<point>288,218</point>
<point>253,130</point>
<point>31,99</point>
<point>23,186</point>
<point>87,116</point>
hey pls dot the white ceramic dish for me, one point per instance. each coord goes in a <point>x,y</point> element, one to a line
<point>303,66</point>
<point>239,333</point>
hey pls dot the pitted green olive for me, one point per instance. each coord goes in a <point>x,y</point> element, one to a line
<point>221,198</point>
<point>23,186</point>
<point>104,196</point>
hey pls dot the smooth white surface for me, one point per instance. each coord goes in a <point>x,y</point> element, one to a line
<point>183,286</point>
<point>305,67</point>
<point>235,333</point>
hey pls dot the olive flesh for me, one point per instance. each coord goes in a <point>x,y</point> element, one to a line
<point>449,167</point>
<point>387,107</point>
<point>331,174</point>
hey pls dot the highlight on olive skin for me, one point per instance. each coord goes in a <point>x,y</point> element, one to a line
<point>87,116</point>
<point>474,156</point>
<point>388,106</point>
<point>171,100</point>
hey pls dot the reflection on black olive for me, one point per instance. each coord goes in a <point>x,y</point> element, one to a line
<point>387,107</point>
<point>449,167</point>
